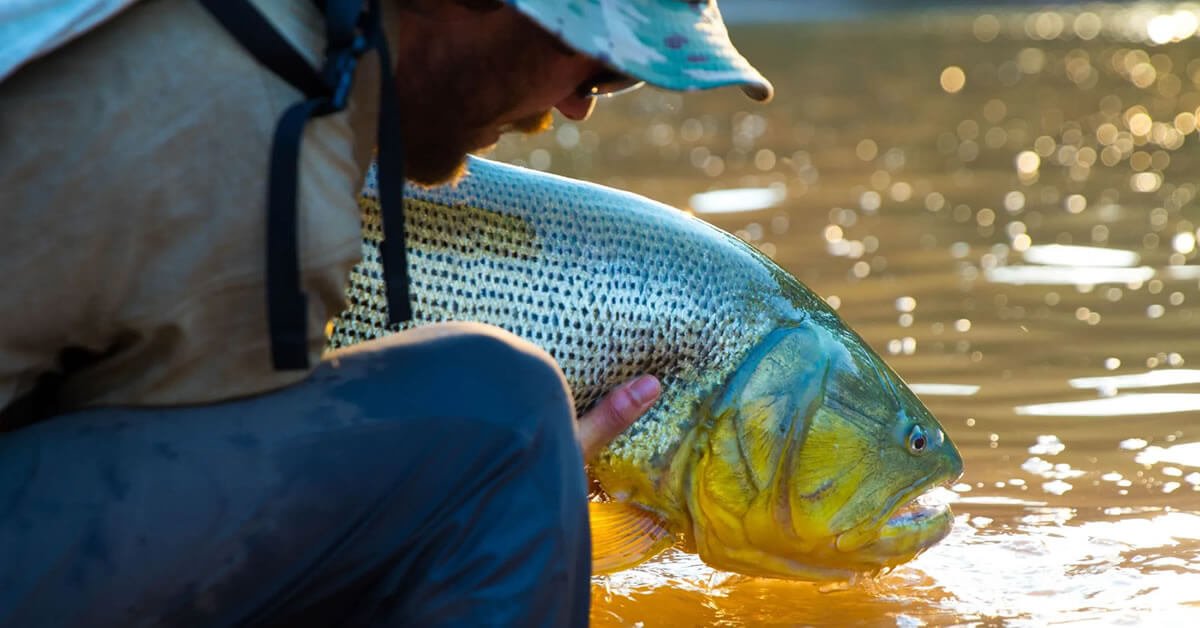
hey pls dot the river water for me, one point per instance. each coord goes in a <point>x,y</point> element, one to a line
<point>1004,205</point>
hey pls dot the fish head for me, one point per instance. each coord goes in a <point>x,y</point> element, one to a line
<point>815,455</point>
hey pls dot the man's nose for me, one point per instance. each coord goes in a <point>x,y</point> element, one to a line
<point>576,108</point>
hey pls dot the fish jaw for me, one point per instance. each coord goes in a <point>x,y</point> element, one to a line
<point>914,528</point>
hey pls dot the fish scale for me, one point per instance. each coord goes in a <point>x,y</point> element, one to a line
<point>609,284</point>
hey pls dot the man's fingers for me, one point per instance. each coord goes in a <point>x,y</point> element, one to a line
<point>616,411</point>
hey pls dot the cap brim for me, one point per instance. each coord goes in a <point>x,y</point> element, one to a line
<point>672,44</point>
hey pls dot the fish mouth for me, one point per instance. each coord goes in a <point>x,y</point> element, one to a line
<point>911,528</point>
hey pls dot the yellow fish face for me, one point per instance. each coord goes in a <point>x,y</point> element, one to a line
<point>814,455</point>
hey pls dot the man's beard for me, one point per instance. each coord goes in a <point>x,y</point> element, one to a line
<point>437,149</point>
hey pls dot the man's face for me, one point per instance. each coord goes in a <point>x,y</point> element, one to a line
<point>471,76</point>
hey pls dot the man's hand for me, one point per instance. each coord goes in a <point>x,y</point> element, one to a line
<point>616,411</point>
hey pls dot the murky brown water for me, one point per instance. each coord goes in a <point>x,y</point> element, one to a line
<point>928,209</point>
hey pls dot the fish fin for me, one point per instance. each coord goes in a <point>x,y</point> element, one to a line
<point>625,535</point>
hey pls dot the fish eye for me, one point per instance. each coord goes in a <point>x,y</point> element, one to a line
<point>918,441</point>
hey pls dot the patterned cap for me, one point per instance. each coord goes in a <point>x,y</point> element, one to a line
<point>674,44</point>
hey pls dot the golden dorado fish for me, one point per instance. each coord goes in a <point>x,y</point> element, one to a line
<point>782,444</point>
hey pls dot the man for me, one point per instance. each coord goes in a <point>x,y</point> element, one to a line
<point>155,468</point>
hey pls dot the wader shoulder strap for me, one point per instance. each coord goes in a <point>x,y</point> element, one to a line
<point>350,31</point>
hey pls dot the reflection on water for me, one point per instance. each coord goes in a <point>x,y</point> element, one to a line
<point>1005,206</point>
<point>1187,454</point>
<point>1148,379</point>
<point>737,200</point>
<point>1120,405</point>
<point>1033,567</point>
<point>948,390</point>
<point>1068,275</point>
<point>1067,255</point>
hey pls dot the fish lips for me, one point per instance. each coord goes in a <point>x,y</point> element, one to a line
<point>917,521</point>
<point>914,528</point>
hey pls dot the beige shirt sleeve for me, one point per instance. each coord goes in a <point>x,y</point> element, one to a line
<point>132,208</point>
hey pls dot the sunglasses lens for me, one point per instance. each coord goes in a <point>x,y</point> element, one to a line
<point>608,83</point>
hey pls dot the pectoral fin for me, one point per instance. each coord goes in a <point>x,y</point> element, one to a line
<point>624,535</point>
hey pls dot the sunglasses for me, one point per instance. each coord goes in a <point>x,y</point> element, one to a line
<point>607,82</point>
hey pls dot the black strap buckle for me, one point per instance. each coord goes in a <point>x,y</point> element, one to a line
<point>338,73</point>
